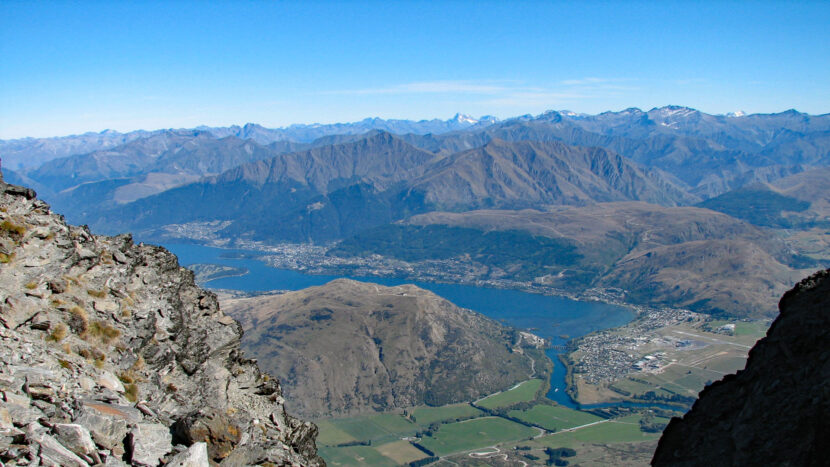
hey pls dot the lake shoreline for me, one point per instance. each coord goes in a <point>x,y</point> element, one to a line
<point>266,254</point>
<point>553,317</point>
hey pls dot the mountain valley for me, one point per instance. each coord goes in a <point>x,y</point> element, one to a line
<point>696,222</point>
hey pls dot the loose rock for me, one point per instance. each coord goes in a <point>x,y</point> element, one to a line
<point>92,325</point>
<point>195,456</point>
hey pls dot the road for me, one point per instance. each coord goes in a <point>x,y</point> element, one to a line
<point>581,426</point>
<point>497,393</point>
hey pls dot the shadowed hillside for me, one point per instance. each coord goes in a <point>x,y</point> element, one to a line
<point>775,411</point>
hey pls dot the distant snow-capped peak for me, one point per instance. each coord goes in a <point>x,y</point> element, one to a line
<point>739,113</point>
<point>674,111</point>
<point>572,114</point>
<point>462,118</point>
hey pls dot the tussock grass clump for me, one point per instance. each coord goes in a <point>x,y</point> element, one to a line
<point>12,229</point>
<point>127,377</point>
<point>131,392</point>
<point>97,293</point>
<point>126,305</point>
<point>58,333</point>
<point>103,331</point>
<point>131,376</point>
<point>6,258</point>
<point>106,257</point>
<point>139,363</point>
<point>78,320</point>
<point>65,364</point>
<point>31,285</point>
<point>98,358</point>
<point>71,281</point>
<point>92,354</point>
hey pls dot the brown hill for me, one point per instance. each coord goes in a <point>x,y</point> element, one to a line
<point>812,186</point>
<point>736,277</point>
<point>683,256</point>
<point>634,225</point>
<point>348,346</point>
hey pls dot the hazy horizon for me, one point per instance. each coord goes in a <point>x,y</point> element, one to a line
<point>71,68</point>
<point>477,117</point>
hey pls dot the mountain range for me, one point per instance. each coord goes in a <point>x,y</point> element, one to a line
<point>27,153</point>
<point>330,183</point>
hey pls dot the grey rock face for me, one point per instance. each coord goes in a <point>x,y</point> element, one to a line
<point>149,442</point>
<point>107,430</point>
<point>76,438</point>
<point>53,453</point>
<point>777,410</point>
<point>105,346</point>
<point>195,456</point>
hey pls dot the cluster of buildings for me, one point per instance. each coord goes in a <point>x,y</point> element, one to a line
<point>650,363</point>
<point>606,356</point>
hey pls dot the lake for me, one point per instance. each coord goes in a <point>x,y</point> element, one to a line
<point>555,318</point>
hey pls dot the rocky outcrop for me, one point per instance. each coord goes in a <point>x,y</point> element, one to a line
<point>111,355</point>
<point>777,410</point>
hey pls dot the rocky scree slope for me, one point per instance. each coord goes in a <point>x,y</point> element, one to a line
<point>112,356</point>
<point>777,410</point>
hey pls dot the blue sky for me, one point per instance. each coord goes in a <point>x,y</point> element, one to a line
<point>71,67</point>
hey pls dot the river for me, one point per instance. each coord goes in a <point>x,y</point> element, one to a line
<point>555,318</point>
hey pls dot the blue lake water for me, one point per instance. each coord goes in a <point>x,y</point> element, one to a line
<point>554,318</point>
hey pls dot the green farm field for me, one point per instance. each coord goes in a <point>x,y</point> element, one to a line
<point>524,392</point>
<point>426,415</point>
<point>390,436</point>
<point>355,456</point>
<point>621,430</point>
<point>331,435</point>
<point>475,434</point>
<point>375,428</point>
<point>401,452</point>
<point>554,417</point>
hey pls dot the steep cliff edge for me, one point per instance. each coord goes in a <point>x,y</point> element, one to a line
<point>110,354</point>
<point>777,410</point>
